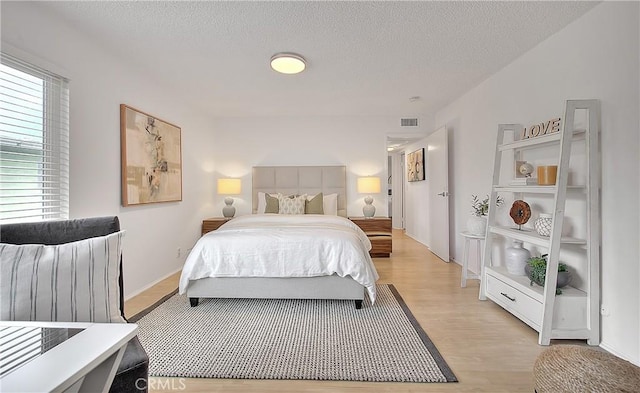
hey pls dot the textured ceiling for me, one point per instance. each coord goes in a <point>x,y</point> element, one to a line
<point>364,58</point>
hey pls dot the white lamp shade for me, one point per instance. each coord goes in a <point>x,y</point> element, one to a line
<point>229,186</point>
<point>369,185</point>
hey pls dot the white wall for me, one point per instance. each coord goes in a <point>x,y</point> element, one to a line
<point>99,84</point>
<point>597,56</point>
<point>357,143</point>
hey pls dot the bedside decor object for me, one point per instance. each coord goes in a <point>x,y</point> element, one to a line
<point>151,158</point>
<point>229,187</point>
<point>516,258</point>
<point>415,165</point>
<point>536,270</point>
<point>520,212</point>
<point>547,175</point>
<point>543,224</point>
<point>477,223</point>
<point>369,185</point>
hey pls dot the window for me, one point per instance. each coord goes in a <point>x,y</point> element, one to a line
<point>34,143</point>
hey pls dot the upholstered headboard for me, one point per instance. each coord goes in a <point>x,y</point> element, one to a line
<point>301,180</point>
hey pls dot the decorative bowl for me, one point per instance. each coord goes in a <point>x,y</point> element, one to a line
<point>564,278</point>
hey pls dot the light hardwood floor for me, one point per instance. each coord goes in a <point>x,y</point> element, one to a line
<point>488,349</point>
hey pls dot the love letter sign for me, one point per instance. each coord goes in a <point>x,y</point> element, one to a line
<point>535,130</point>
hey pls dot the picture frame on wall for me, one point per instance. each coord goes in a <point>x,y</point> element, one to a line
<point>151,158</point>
<point>415,165</point>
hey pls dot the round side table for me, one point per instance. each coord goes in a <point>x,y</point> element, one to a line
<point>468,238</point>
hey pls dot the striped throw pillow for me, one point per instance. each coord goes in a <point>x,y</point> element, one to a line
<point>69,282</point>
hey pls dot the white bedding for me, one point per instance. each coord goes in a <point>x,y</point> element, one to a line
<point>273,245</point>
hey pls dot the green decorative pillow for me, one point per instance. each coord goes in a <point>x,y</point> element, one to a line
<point>273,205</point>
<point>314,205</point>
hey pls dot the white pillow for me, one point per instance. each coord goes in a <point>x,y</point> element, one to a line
<point>69,282</point>
<point>330,204</point>
<point>262,203</point>
<point>291,204</point>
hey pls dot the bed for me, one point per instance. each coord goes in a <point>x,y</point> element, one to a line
<point>278,256</point>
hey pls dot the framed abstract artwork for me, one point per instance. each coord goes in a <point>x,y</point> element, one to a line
<point>415,165</point>
<point>151,158</point>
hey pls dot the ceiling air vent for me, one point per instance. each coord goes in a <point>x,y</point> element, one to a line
<point>408,122</point>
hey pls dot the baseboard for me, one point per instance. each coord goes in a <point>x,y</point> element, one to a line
<point>136,293</point>
<point>416,239</point>
<point>614,352</point>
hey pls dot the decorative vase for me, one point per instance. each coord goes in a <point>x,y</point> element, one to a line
<point>516,258</point>
<point>543,224</point>
<point>477,225</point>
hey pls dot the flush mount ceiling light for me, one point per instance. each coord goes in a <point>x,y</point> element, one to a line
<point>288,63</point>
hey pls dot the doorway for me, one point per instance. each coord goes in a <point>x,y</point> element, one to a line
<point>396,143</point>
<point>421,207</point>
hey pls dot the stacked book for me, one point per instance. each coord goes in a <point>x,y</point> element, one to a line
<point>524,181</point>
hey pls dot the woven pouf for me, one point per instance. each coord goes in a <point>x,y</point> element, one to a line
<point>569,368</point>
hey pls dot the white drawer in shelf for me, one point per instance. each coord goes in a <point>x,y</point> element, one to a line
<point>570,311</point>
<point>516,302</point>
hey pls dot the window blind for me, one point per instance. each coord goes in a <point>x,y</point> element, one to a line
<point>34,143</point>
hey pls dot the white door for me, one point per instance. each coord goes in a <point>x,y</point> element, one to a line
<point>438,177</point>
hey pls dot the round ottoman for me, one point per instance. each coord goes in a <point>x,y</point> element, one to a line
<point>570,368</point>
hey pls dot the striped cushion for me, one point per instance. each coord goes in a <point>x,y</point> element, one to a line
<point>69,282</point>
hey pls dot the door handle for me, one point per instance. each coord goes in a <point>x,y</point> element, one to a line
<point>443,194</point>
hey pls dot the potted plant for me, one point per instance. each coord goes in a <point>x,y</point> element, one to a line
<point>536,270</point>
<point>477,223</point>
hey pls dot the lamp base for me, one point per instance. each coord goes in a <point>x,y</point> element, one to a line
<point>228,211</point>
<point>368,210</point>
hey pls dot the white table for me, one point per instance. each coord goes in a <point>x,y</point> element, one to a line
<point>468,238</point>
<point>86,362</point>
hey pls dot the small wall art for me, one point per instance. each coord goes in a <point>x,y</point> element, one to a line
<point>151,158</point>
<point>415,165</point>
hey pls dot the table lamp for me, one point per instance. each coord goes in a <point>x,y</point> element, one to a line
<point>369,185</point>
<point>229,187</point>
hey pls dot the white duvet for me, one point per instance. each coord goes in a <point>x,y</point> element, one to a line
<point>275,245</point>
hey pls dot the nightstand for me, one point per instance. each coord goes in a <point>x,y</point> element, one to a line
<point>211,224</point>
<point>378,230</point>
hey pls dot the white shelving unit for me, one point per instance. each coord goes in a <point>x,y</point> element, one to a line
<point>574,314</point>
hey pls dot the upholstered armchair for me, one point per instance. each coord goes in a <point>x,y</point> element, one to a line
<point>132,372</point>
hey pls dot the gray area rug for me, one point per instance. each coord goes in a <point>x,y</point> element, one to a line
<point>290,339</point>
